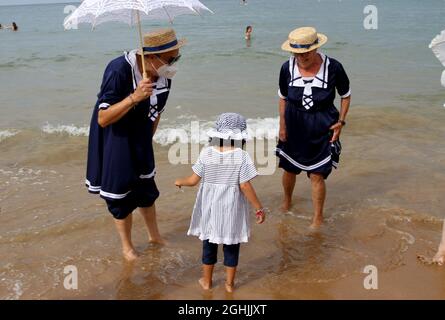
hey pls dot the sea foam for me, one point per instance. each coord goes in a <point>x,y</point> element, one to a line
<point>71,130</point>
<point>5,134</point>
<point>196,131</point>
<point>192,131</point>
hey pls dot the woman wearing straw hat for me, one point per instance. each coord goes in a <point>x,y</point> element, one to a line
<point>310,124</point>
<point>121,165</point>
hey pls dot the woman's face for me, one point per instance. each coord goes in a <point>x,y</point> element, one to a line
<point>154,62</point>
<point>306,59</point>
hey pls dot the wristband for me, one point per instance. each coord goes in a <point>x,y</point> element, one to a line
<point>259,212</point>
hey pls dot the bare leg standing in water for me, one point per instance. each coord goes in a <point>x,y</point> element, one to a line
<point>439,258</point>
<point>318,198</point>
<point>318,195</point>
<point>288,182</point>
<point>149,215</point>
<point>207,275</point>
<point>123,227</point>
<point>230,278</point>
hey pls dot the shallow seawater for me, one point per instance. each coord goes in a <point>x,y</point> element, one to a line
<point>384,206</point>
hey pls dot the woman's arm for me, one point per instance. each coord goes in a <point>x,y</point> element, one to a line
<point>281,110</point>
<point>115,112</point>
<point>190,181</point>
<point>155,124</point>
<point>345,103</point>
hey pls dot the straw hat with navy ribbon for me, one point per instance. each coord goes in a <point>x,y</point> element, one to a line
<point>160,41</point>
<point>303,40</point>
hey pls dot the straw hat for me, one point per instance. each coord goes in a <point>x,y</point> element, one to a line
<point>160,41</point>
<point>303,40</point>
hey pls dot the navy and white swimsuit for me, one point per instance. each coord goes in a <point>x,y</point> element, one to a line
<point>309,114</point>
<point>120,156</point>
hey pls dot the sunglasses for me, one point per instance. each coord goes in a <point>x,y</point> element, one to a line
<point>172,60</point>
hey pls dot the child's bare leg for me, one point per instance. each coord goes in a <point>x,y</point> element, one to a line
<point>318,198</point>
<point>149,214</point>
<point>288,182</point>
<point>231,257</point>
<point>440,255</point>
<point>123,227</point>
<point>207,275</point>
<point>230,278</point>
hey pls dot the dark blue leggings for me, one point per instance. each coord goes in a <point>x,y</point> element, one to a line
<point>210,253</point>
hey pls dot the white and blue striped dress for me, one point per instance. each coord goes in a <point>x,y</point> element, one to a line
<point>221,211</point>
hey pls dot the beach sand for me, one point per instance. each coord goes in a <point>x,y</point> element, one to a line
<point>384,206</point>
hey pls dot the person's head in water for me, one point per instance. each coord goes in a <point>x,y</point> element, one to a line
<point>1,27</point>
<point>248,32</point>
<point>14,26</point>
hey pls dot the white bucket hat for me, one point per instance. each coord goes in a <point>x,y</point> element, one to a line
<point>231,126</point>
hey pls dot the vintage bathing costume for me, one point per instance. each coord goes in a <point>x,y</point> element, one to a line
<point>309,114</point>
<point>121,165</point>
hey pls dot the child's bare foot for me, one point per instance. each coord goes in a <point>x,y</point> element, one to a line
<point>230,287</point>
<point>130,254</point>
<point>286,205</point>
<point>205,284</point>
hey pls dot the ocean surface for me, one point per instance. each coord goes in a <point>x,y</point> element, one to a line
<point>385,203</point>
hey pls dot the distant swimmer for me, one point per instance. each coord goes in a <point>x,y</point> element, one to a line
<point>1,27</point>
<point>248,32</point>
<point>13,27</point>
<point>244,2</point>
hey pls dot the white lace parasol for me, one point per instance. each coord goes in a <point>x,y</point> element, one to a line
<point>95,12</point>
<point>438,47</point>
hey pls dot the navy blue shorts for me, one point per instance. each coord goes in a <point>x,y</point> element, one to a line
<point>324,170</point>
<point>210,253</point>
<point>143,195</point>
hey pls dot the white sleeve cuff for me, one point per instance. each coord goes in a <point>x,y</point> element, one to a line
<point>104,105</point>
<point>347,94</point>
<point>280,95</point>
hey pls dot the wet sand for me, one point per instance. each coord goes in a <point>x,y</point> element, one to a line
<point>384,206</point>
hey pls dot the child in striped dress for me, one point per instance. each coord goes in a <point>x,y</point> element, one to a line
<point>221,211</point>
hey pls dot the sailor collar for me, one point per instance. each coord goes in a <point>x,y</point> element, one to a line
<point>320,80</point>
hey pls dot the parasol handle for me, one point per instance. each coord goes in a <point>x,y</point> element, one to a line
<point>144,72</point>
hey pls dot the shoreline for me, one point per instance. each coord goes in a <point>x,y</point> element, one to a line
<point>381,209</point>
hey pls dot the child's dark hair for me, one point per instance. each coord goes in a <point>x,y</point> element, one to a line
<point>218,142</point>
<point>248,27</point>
